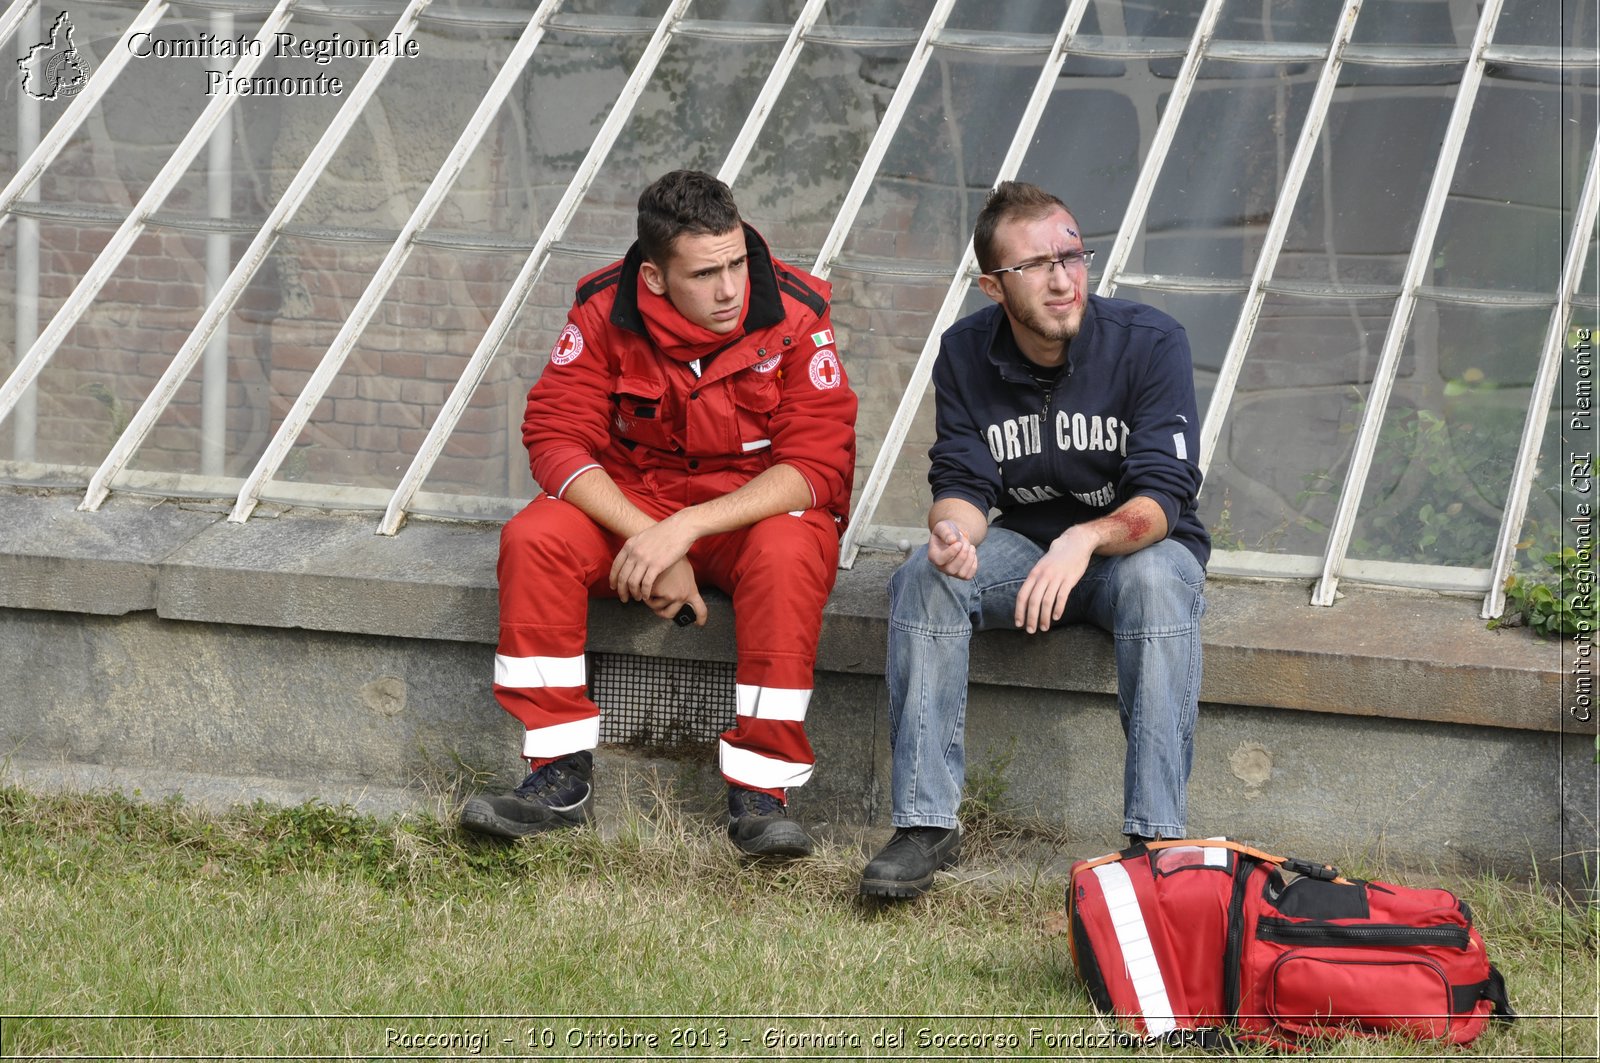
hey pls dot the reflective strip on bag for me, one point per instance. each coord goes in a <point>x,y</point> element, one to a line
<point>1138,955</point>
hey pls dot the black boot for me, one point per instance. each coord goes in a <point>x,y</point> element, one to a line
<point>904,868</point>
<point>759,824</point>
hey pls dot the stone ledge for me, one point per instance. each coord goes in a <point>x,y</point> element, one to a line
<point>1401,655</point>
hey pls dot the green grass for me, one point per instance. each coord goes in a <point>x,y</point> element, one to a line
<point>286,926</point>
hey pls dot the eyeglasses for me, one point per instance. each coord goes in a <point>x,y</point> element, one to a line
<point>1042,269</point>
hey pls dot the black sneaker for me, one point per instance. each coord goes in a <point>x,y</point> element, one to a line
<point>759,825</point>
<point>904,868</point>
<point>555,797</point>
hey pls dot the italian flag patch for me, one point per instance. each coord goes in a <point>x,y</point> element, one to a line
<point>822,339</point>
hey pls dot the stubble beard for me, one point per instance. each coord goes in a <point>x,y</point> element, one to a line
<point>1052,329</point>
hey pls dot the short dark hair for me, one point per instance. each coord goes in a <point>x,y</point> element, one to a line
<point>683,201</point>
<point>1010,199</point>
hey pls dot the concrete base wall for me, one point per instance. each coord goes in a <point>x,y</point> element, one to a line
<point>229,713</point>
<point>1326,786</point>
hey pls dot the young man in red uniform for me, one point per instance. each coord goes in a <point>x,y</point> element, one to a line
<point>693,426</point>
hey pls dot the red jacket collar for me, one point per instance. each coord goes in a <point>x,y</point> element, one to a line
<point>766,304</point>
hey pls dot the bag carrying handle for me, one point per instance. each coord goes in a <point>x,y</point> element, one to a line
<point>1326,872</point>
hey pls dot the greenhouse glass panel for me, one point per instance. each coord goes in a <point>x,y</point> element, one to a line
<point>687,119</point>
<point>229,423</point>
<point>1510,209</point>
<point>943,159</point>
<point>1419,22</point>
<point>878,14</point>
<point>770,12</point>
<point>64,249</point>
<point>376,411</point>
<point>113,156</point>
<point>1547,23</point>
<point>1554,519</point>
<point>1290,428</point>
<point>1040,20</point>
<point>484,463</point>
<point>269,137</point>
<point>881,324</point>
<point>1216,192</point>
<point>1437,486</point>
<point>620,10</point>
<point>1355,219</point>
<point>352,201</point>
<point>380,171</point>
<point>796,178</point>
<point>270,131</point>
<point>1153,20</point>
<point>901,520</point>
<point>284,324</point>
<point>1277,21</point>
<point>24,119</point>
<point>540,135</point>
<point>83,395</point>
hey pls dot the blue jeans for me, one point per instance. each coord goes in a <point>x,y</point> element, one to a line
<point>1151,602</point>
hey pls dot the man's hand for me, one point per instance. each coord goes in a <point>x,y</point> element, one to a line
<point>1043,595</point>
<point>675,588</point>
<point>951,552</point>
<point>647,556</point>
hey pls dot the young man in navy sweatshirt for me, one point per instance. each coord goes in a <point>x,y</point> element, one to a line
<point>1073,416</point>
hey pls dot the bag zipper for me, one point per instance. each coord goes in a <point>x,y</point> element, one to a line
<point>1233,947</point>
<point>1284,932</point>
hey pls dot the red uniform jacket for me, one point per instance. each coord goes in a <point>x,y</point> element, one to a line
<point>775,393</point>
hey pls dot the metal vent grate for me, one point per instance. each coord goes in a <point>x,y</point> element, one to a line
<point>655,702</point>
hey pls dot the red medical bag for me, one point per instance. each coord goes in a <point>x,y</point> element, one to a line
<point>1211,935</point>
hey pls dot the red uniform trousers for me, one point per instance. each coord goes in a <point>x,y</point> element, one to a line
<point>779,571</point>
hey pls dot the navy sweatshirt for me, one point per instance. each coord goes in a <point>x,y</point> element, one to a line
<point>1117,423</point>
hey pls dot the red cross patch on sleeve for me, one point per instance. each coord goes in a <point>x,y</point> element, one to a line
<point>825,370</point>
<point>568,346</point>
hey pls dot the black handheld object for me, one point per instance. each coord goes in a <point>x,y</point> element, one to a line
<point>685,615</point>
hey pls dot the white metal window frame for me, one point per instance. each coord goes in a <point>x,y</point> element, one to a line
<point>225,293</point>
<point>955,295</point>
<point>1552,355</point>
<point>215,315</point>
<point>1277,231</point>
<point>100,82</point>
<point>1394,341</point>
<point>450,414</point>
<point>456,404</point>
<point>121,242</point>
<point>13,18</point>
<point>393,262</point>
